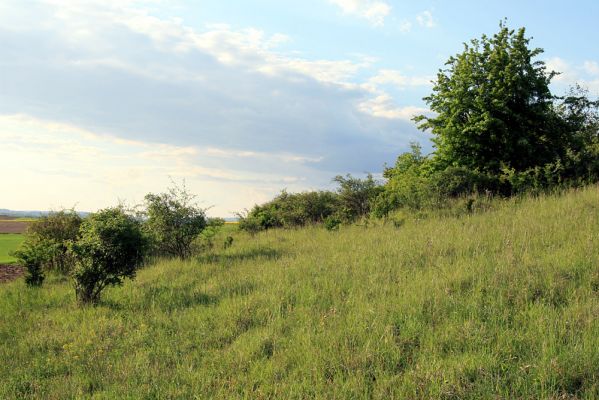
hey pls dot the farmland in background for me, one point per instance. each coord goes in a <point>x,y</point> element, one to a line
<point>11,230</point>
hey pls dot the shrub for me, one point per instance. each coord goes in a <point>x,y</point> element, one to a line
<point>250,223</point>
<point>458,181</point>
<point>331,223</point>
<point>110,248</point>
<point>50,235</point>
<point>205,241</point>
<point>356,196</point>
<point>174,221</point>
<point>32,256</point>
<point>290,210</point>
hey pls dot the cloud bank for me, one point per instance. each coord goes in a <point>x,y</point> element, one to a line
<point>218,106</point>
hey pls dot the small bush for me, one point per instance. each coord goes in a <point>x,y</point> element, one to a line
<point>356,196</point>
<point>332,223</point>
<point>250,223</point>
<point>50,235</point>
<point>289,210</point>
<point>205,241</point>
<point>110,248</point>
<point>174,222</point>
<point>32,256</point>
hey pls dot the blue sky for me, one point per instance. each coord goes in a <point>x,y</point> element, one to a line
<point>104,101</point>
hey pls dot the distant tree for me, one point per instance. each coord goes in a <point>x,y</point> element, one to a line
<point>110,247</point>
<point>174,221</point>
<point>494,108</point>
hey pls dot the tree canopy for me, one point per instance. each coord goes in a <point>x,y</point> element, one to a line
<point>493,106</point>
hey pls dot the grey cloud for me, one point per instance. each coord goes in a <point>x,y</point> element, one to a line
<point>133,89</point>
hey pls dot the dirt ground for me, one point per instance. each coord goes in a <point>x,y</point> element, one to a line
<point>10,272</point>
<point>9,226</point>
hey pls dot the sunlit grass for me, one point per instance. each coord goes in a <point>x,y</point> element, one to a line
<point>501,304</point>
<point>8,243</point>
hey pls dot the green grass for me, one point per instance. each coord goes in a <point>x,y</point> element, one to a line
<point>498,305</point>
<point>8,243</point>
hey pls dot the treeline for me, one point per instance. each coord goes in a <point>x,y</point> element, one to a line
<point>497,130</point>
<point>110,245</point>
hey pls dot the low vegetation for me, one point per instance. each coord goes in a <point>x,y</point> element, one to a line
<point>495,304</point>
<point>468,273</point>
<point>496,128</point>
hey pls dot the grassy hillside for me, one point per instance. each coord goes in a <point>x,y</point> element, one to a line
<point>497,305</point>
<point>8,243</point>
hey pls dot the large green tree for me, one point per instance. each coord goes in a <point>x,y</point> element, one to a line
<point>493,107</point>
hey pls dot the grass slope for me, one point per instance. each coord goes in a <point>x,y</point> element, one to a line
<point>8,243</point>
<point>497,305</point>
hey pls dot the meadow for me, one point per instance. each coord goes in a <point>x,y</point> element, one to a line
<point>8,243</point>
<point>502,304</point>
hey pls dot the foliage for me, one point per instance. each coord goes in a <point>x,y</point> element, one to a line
<point>33,255</point>
<point>494,108</point>
<point>205,241</point>
<point>110,247</point>
<point>250,222</point>
<point>498,305</point>
<point>290,210</point>
<point>51,234</point>
<point>331,223</point>
<point>228,242</point>
<point>497,130</point>
<point>173,222</point>
<point>356,196</point>
<point>408,183</point>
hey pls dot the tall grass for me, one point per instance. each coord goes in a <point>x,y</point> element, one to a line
<point>503,304</point>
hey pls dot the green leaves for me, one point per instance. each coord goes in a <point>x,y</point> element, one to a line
<point>493,106</point>
<point>110,247</point>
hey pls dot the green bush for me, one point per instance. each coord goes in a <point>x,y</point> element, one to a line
<point>32,256</point>
<point>290,210</point>
<point>356,196</point>
<point>50,235</point>
<point>458,181</point>
<point>173,222</point>
<point>205,240</point>
<point>110,247</point>
<point>249,223</point>
<point>331,223</point>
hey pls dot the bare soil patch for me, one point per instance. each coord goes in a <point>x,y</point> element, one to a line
<point>10,272</point>
<point>10,226</point>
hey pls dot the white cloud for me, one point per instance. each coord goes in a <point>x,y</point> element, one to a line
<point>126,99</point>
<point>399,80</point>
<point>591,67</point>
<point>374,11</point>
<point>383,106</point>
<point>405,26</point>
<point>586,74</point>
<point>426,19</point>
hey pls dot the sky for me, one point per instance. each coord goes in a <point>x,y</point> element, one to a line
<point>103,101</point>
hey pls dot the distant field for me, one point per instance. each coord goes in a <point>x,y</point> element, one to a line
<point>11,218</point>
<point>13,226</point>
<point>8,243</point>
